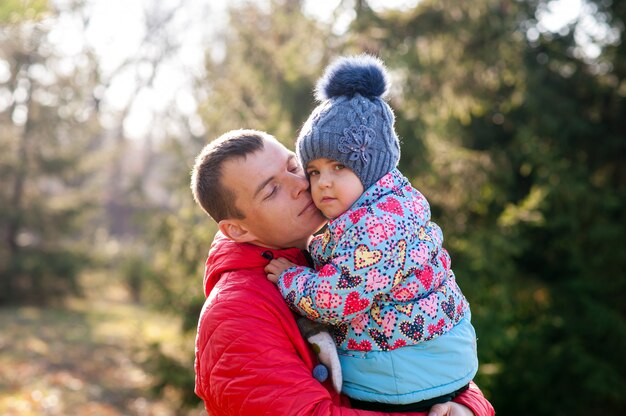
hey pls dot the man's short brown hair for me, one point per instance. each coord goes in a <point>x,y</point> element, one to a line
<point>206,176</point>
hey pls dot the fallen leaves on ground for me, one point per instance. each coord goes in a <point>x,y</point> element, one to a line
<point>84,359</point>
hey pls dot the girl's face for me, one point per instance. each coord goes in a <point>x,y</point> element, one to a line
<point>334,187</point>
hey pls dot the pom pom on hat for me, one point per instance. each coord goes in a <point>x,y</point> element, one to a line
<point>347,76</point>
<point>353,124</point>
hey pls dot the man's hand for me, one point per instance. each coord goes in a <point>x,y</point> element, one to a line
<point>450,409</point>
<point>276,267</point>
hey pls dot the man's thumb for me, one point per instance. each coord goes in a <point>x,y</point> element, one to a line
<point>441,409</point>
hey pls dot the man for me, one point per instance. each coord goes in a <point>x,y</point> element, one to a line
<point>250,356</point>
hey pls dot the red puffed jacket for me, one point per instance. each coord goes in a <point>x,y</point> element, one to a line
<point>250,356</point>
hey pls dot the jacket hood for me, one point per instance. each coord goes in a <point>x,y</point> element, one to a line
<point>226,255</point>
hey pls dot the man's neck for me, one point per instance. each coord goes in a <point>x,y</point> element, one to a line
<point>302,245</point>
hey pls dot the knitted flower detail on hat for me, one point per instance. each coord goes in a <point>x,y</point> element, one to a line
<point>359,142</point>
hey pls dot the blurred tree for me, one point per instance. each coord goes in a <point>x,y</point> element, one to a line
<point>47,141</point>
<point>568,152</point>
<point>265,78</point>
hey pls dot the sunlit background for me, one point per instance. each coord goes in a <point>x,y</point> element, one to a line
<point>513,123</point>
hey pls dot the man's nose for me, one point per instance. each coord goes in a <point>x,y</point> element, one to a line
<point>299,184</point>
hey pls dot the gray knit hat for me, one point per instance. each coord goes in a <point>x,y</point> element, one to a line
<point>353,124</point>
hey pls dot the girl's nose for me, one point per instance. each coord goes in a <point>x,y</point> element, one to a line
<point>324,181</point>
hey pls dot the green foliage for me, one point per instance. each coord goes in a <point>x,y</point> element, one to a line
<point>12,11</point>
<point>41,276</point>
<point>266,78</point>
<point>171,374</point>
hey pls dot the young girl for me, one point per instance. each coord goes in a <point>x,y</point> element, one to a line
<point>382,280</point>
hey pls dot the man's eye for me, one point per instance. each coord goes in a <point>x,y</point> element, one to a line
<point>272,193</point>
<point>294,168</point>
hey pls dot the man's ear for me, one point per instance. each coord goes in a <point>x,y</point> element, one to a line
<point>236,231</point>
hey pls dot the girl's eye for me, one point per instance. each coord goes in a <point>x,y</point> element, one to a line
<point>312,173</point>
<point>339,166</point>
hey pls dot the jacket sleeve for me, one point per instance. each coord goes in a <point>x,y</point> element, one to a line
<point>360,269</point>
<point>250,366</point>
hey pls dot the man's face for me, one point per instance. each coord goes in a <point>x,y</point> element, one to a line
<point>273,194</point>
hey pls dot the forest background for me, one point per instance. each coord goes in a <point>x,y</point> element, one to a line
<point>514,129</point>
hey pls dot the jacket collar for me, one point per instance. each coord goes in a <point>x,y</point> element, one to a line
<point>226,255</point>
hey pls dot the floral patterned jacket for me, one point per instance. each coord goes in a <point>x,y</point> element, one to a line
<point>382,279</point>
